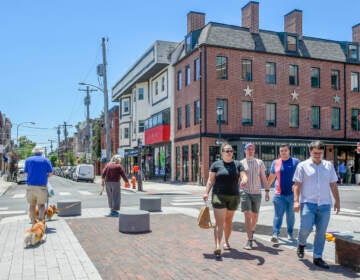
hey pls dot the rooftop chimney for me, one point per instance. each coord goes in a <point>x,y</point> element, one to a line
<point>195,21</point>
<point>356,33</point>
<point>293,23</point>
<point>250,16</point>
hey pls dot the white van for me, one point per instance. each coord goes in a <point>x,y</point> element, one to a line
<point>84,172</point>
<point>21,175</point>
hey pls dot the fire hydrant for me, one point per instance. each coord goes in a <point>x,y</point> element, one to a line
<point>133,182</point>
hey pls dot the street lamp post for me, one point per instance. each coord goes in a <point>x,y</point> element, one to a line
<point>17,130</point>
<point>106,115</point>
<point>219,113</point>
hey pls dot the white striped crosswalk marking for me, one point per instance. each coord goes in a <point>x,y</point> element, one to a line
<point>85,192</point>
<point>187,201</point>
<point>64,193</point>
<point>19,195</point>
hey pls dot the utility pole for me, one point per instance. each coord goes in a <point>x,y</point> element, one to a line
<point>51,144</point>
<point>58,133</point>
<point>87,104</point>
<point>106,106</point>
<point>65,125</point>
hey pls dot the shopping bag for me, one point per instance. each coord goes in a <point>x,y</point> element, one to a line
<point>51,191</point>
<point>204,220</point>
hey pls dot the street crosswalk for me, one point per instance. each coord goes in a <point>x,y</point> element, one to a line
<point>187,201</point>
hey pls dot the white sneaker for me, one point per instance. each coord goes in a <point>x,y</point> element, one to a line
<point>274,238</point>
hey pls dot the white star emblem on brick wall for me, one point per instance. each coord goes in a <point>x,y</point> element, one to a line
<point>337,98</point>
<point>248,91</point>
<point>294,95</point>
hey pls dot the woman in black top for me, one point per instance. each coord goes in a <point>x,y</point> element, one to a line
<point>224,178</point>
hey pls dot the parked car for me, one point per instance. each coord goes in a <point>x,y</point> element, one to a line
<point>21,175</point>
<point>84,172</point>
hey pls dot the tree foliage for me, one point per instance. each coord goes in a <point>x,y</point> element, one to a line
<point>25,147</point>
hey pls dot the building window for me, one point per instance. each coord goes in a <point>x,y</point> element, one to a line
<point>197,112</point>
<point>246,113</point>
<point>335,118</point>
<point>126,106</point>
<point>270,73</point>
<point>141,126</point>
<point>187,75</point>
<point>315,117</point>
<point>315,77</point>
<point>179,80</point>
<point>187,115</point>
<point>178,166</point>
<point>294,115</point>
<point>355,81</point>
<point>223,103</point>
<point>353,52</point>
<point>291,43</point>
<point>163,84</point>
<point>271,114</point>
<point>293,75</point>
<point>335,79</point>
<point>179,118</point>
<point>156,88</point>
<point>126,133</point>
<point>141,94</point>
<point>221,67</point>
<point>355,119</point>
<point>197,69</point>
<point>246,70</point>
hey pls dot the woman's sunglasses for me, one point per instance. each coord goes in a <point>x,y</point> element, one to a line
<point>228,151</point>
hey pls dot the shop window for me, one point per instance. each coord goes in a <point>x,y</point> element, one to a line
<point>268,154</point>
<point>177,174</point>
<point>194,162</point>
<point>185,163</point>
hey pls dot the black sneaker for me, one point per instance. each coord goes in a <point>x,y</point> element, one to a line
<point>321,263</point>
<point>300,251</point>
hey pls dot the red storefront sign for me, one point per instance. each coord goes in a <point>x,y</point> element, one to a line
<point>358,148</point>
<point>157,134</point>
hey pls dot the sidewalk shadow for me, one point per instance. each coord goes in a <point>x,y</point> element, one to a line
<point>272,250</point>
<point>237,255</point>
<point>334,268</point>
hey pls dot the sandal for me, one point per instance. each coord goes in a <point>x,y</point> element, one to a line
<point>217,253</point>
<point>226,247</point>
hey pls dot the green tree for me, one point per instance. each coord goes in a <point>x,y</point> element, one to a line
<point>54,159</point>
<point>25,147</point>
<point>71,159</point>
<point>96,139</point>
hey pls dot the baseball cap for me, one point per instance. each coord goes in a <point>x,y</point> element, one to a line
<point>248,145</point>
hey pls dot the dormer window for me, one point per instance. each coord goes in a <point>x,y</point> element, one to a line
<point>353,51</point>
<point>291,42</point>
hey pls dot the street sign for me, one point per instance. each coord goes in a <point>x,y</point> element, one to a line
<point>218,142</point>
<point>358,148</point>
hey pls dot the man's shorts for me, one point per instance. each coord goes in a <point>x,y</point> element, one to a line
<point>36,194</point>
<point>220,201</point>
<point>250,202</point>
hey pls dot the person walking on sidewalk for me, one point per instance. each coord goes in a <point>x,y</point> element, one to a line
<point>314,178</point>
<point>250,194</point>
<point>110,178</point>
<point>224,179</point>
<point>38,170</point>
<point>282,170</point>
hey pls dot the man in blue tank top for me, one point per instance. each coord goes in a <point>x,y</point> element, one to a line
<point>38,169</point>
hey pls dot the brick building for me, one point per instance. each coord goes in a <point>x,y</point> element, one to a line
<point>273,87</point>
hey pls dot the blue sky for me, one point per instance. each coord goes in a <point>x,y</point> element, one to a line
<point>47,47</point>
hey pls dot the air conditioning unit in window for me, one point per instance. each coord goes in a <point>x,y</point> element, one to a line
<point>246,122</point>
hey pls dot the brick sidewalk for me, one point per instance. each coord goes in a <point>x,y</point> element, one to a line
<point>177,249</point>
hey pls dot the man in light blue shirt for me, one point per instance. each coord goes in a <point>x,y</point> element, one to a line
<point>314,178</point>
<point>38,169</point>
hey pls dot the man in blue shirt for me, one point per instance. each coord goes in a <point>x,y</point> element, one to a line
<point>38,169</point>
<point>283,170</point>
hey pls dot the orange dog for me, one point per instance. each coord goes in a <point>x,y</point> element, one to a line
<point>34,235</point>
<point>51,211</point>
